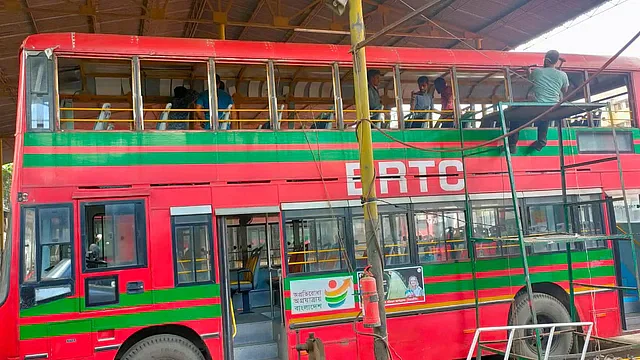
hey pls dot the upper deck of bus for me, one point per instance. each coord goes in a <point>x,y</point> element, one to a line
<point>306,75</point>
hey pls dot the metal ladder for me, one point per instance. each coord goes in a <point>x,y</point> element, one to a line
<point>512,329</point>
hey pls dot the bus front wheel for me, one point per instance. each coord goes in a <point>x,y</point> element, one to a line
<point>163,346</point>
<point>549,310</point>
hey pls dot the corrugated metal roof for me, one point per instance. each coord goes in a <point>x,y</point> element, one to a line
<point>502,24</point>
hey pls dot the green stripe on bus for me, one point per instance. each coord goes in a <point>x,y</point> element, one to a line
<point>113,138</point>
<point>69,305</point>
<point>106,322</point>
<point>241,157</point>
<point>254,138</point>
<point>487,265</point>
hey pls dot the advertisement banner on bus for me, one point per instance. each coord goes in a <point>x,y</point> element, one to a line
<point>326,294</point>
<point>403,285</point>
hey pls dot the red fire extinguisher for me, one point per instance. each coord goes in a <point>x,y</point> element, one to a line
<point>369,294</point>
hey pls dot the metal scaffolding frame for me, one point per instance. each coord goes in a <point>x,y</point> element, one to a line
<point>522,240</point>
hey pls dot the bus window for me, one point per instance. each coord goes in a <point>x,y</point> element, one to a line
<point>480,92</point>
<point>247,233</point>
<point>95,94</point>
<point>5,265</point>
<point>305,94</point>
<point>380,106</point>
<point>39,93</point>
<point>243,102</point>
<point>612,90</point>
<point>114,235</point>
<point>394,230</point>
<point>170,91</point>
<point>315,241</point>
<point>589,218</point>
<point>495,221</point>
<point>192,249</point>
<point>420,109</point>
<point>47,253</point>
<point>440,233</point>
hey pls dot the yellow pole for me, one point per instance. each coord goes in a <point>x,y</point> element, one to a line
<point>223,32</point>
<point>367,170</point>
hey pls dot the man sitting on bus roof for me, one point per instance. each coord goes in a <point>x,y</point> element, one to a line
<point>224,101</point>
<point>549,84</point>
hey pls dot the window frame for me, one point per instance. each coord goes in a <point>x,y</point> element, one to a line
<point>140,221</point>
<point>39,283</point>
<point>304,214</point>
<point>87,304</point>
<point>400,209</point>
<point>209,226</point>
<point>619,133</point>
<point>440,210</point>
<point>51,86</point>
<point>5,263</point>
<point>496,207</point>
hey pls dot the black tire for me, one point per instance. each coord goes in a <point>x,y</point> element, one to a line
<point>163,347</point>
<point>548,310</point>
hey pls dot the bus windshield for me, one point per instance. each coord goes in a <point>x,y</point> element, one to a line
<point>5,263</point>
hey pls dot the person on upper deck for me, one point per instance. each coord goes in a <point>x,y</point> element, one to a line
<point>373,80</point>
<point>446,101</point>
<point>224,101</point>
<point>183,98</point>
<point>549,85</point>
<point>421,100</point>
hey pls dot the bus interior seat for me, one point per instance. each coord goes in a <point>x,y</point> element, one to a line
<point>164,117</point>
<point>325,125</point>
<point>245,280</point>
<point>105,115</point>
<point>267,125</point>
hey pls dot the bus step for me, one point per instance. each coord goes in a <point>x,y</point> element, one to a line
<point>255,332</point>
<point>261,351</point>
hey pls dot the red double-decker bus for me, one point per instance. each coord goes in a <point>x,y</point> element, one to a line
<point>159,212</point>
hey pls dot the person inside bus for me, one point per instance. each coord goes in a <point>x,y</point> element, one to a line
<point>183,98</point>
<point>224,101</point>
<point>549,85</point>
<point>373,79</point>
<point>446,101</point>
<point>421,101</point>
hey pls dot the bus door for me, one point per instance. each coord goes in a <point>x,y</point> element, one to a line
<point>249,243</point>
<point>114,267</point>
<point>47,285</point>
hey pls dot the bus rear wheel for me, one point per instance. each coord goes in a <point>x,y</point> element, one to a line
<point>165,347</point>
<point>549,310</point>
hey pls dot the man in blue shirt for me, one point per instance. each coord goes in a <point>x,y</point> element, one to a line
<point>224,101</point>
<point>421,100</point>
